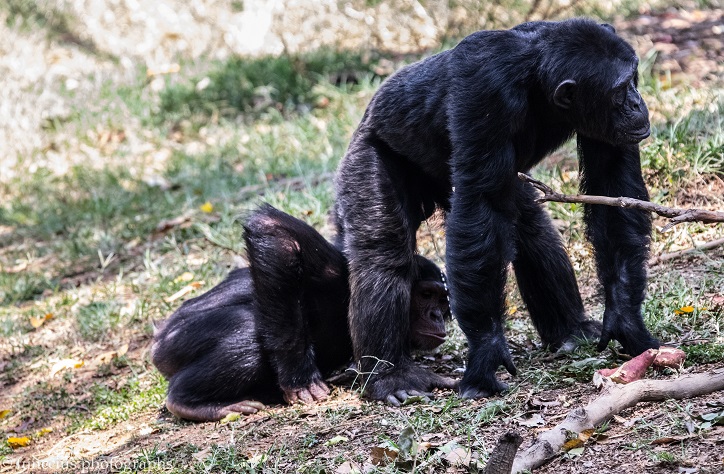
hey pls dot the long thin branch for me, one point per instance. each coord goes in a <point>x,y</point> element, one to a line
<point>682,253</point>
<point>613,399</point>
<point>676,216</point>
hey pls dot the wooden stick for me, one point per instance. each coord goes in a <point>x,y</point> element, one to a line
<point>613,399</point>
<point>676,216</point>
<point>682,253</point>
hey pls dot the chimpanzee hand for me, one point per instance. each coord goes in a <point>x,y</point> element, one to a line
<point>405,381</point>
<point>314,392</point>
<point>630,332</point>
<point>484,357</point>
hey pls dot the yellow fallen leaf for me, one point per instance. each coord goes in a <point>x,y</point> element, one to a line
<point>512,310</point>
<point>684,309</point>
<point>207,207</point>
<point>66,364</point>
<point>230,417</point>
<point>107,357</point>
<point>44,431</point>
<point>122,350</point>
<point>37,322</point>
<point>186,276</point>
<point>4,413</point>
<point>165,68</point>
<point>16,443</point>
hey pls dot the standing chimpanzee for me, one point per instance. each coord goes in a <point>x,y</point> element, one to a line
<point>452,131</point>
<point>276,328</point>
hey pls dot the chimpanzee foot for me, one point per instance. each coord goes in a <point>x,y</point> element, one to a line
<point>489,389</point>
<point>314,392</point>
<point>630,332</point>
<point>589,330</point>
<point>485,356</point>
<point>400,384</point>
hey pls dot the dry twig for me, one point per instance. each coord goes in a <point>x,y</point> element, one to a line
<point>675,215</point>
<point>613,399</point>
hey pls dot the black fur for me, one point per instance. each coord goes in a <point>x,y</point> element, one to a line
<point>275,329</point>
<point>452,131</point>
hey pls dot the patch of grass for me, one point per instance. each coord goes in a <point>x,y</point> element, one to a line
<point>97,318</point>
<point>17,287</point>
<point>285,83</point>
<point>705,353</point>
<point>688,146</point>
<point>111,406</point>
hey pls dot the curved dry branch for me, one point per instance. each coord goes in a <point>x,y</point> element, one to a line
<point>613,399</point>
<point>675,215</point>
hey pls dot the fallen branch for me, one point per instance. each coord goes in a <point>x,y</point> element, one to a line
<point>682,253</point>
<point>613,399</point>
<point>503,455</point>
<point>675,215</point>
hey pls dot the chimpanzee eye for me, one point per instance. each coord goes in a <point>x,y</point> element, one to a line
<point>619,96</point>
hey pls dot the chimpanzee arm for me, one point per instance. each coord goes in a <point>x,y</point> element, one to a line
<point>480,244</point>
<point>620,238</point>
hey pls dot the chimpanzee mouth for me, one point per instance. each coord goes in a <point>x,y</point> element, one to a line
<point>637,135</point>
<point>434,335</point>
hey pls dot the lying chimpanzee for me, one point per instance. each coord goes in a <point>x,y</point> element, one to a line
<point>277,328</point>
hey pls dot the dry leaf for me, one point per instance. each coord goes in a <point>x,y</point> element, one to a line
<point>107,357</point>
<point>203,454</point>
<point>20,442</point>
<point>37,322</point>
<point>458,457</point>
<point>535,420</point>
<point>336,440</point>
<point>164,69</point>
<point>66,364</point>
<point>585,435</point>
<point>572,444</point>
<point>380,455</point>
<point>122,350</point>
<point>4,413</point>
<point>207,207</point>
<point>233,416</point>
<point>348,468</point>
<point>684,309</point>
<point>185,276</point>
<point>44,431</point>
<point>576,451</point>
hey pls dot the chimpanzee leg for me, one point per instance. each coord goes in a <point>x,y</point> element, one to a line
<point>545,276</point>
<point>620,238</point>
<point>480,244</point>
<point>284,255</point>
<point>377,223</point>
<point>203,392</point>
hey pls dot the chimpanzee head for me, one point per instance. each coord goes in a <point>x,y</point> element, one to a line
<point>429,307</point>
<point>591,75</point>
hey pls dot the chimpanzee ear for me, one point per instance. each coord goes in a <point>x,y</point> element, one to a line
<point>563,96</point>
<point>608,27</point>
